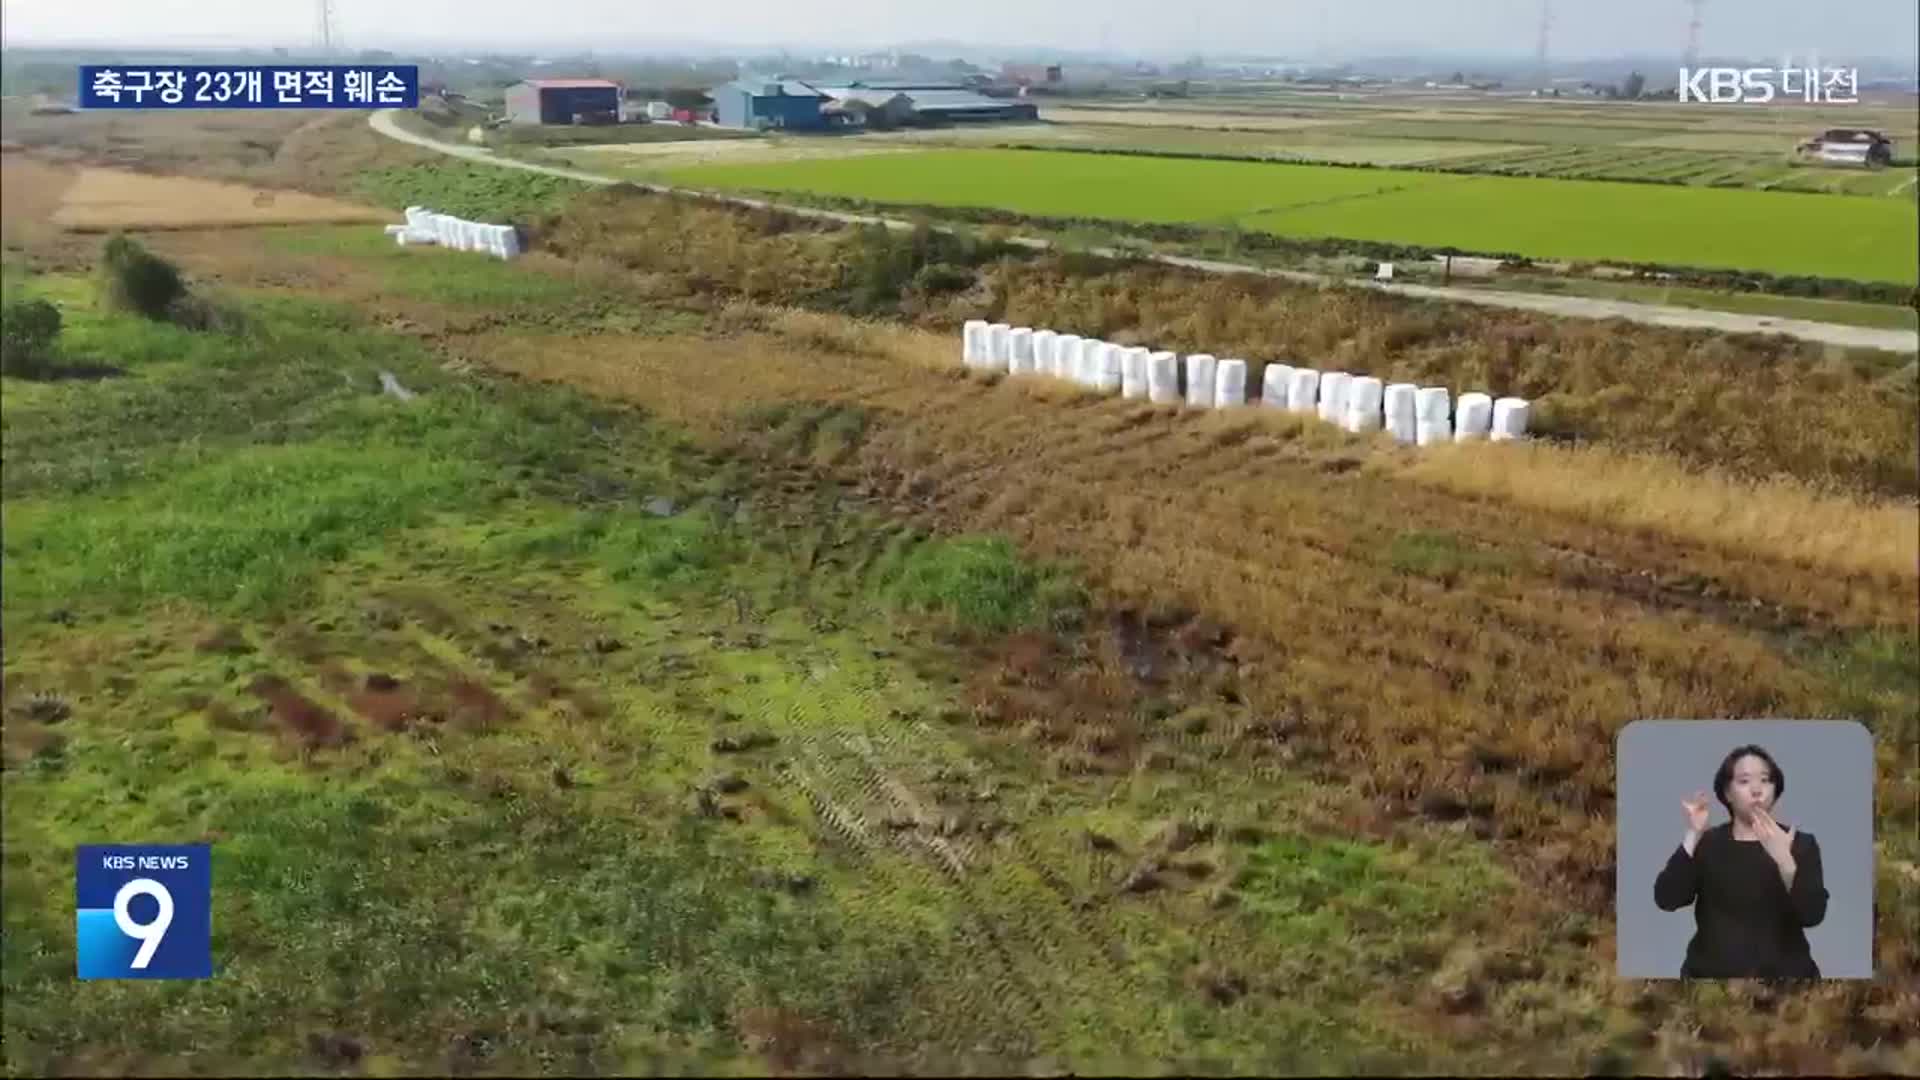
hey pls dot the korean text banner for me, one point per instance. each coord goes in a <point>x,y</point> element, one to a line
<point>311,86</point>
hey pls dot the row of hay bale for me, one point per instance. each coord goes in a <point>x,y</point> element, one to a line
<point>426,227</point>
<point>1420,415</point>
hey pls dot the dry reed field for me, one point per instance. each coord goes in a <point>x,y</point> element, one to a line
<point>317,152</point>
<point>1756,407</point>
<point>103,200</point>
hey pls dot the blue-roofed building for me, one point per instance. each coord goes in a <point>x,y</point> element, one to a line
<point>769,105</point>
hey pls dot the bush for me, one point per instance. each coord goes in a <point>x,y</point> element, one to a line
<point>982,583</point>
<point>28,329</point>
<point>199,313</point>
<point>936,278</point>
<point>136,280</point>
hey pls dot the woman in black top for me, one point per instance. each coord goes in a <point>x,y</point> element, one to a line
<point>1754,884</point>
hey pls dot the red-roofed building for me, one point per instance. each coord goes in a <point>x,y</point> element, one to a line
<point>564,101</point>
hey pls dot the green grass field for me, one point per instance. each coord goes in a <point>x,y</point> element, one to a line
<point>536,850</point>
<point>1865,239</point>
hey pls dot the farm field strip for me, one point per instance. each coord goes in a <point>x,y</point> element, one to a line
<point>1322,127</point>
<point>103,199</point>
<point>1869,239</point>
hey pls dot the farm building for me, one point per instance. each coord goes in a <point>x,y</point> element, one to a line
<point>937,102</point>
<point>563,101</point>
<point>869,108</point>
<point>1033,74</point>
<point>1849,146</point>
<point>772,104</point>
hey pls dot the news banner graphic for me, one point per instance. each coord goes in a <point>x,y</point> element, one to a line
<point>144,911</point>
<point>143,86</point>
<point>1758,86</point>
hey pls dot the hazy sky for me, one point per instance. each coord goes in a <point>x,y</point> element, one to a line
<point>1582,28</point>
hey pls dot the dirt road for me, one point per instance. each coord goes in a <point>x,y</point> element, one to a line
<point>1580,307</point>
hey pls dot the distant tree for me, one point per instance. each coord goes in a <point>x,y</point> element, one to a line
<point>1631,89</point>
<point>1458,77</point>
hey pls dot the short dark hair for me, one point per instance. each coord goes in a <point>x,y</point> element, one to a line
<point>1724,775</point>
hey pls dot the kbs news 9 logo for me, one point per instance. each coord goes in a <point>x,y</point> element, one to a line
<point>144,911</point>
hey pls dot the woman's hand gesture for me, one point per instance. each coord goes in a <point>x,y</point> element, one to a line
<point>1696,809</point>
<point>1777,841</point>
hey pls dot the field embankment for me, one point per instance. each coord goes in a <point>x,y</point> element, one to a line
<point>1753,406</point>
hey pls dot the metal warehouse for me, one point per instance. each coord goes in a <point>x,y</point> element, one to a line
<point>770,104</point>
<point>943,101</point>
<point>563,101</point>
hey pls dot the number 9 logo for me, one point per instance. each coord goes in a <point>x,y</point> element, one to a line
<point>148,934</point>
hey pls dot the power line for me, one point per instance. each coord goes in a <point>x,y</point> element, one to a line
<point>326,27</point>
<point>1540,49</point>
<point>1693,32</point>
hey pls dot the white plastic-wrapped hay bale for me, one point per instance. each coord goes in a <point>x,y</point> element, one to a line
<point>1077,360</point>
<point>1111,371</point>
<point>1433,415</point>
<point>1133,373</point>
<point>1510,415</point>
<point>1273,386</point>
<point>999,347</point>
<point>396,230</point>
<point>1042,352</point>
<point>1163,378</point>
<point>421,235</point>
<point>1230,384</point>
<point>1202,371</point>
<point>419,217</point>
<point>1397,412</point>
<point>1066,353</point>
<point>1086,369</point>
<point>1363,405</point>
<point>973,341</point>
<point>1333,395</point>
<point>1303,390</point>
<point>502,236</point>
<point>1474,417</point>
<point>1091,350</point>
<point>1020,350</point>
<point>512,236</point>
<point>400,238</point>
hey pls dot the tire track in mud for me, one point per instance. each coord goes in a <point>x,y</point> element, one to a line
<point>1048,921</point>
<point>1036,943</point>
<point>830,775</point>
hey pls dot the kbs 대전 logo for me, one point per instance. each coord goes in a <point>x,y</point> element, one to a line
<point>1758,86</point>
<point>144,911</point>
